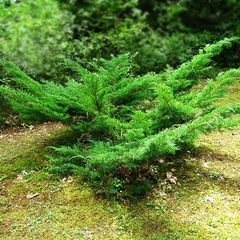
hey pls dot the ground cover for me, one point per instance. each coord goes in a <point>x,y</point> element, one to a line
<point>198,196</point>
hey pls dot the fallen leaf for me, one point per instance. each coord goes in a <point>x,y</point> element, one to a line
<point>24,173</point>
<point>221,178</point>
<point>172,180</point>
<point>169,175</point>
<point>179,184</point>
<point>208,199</point>
<point>30,196</point>
<point>161,161</point>
<point>31,127</point>
<point>205,164</point>
<point>169,188</point>
<point>67,180</point>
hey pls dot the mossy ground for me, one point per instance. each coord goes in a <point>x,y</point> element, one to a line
<point>198,199</point>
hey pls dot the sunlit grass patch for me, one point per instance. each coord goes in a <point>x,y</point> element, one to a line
<point>202,206</point>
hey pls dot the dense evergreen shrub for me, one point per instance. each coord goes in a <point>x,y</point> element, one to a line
<point>126,122</point>
<point>34,35</point>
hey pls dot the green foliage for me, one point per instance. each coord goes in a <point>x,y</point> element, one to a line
<point>125,122</point>
<point>164,15</point>
<point>218,16</point>
<point>4,111</point>
<point>101,15</point>
<point>229,58</point>
<point>199,67</point>
<point>104,28</point>
<point>34,34</point>
<point>160,33</point>
<point>37,35</point>
<point>95,95</point>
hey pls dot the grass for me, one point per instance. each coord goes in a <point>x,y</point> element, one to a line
<point>202,203</point>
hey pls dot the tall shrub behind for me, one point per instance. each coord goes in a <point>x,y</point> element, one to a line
<point>34,34</point>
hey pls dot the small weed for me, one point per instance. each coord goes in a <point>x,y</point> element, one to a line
<point>173,236</point>
<point>2,178</point>
<point>38,176</point>
<point>150,204</point>
<point>216,175</point>
<point>116,186</point>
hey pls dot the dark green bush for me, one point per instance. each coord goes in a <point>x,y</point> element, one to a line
<point>220,17</point>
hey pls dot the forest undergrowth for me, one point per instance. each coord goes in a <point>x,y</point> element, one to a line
<point>197,197</point>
